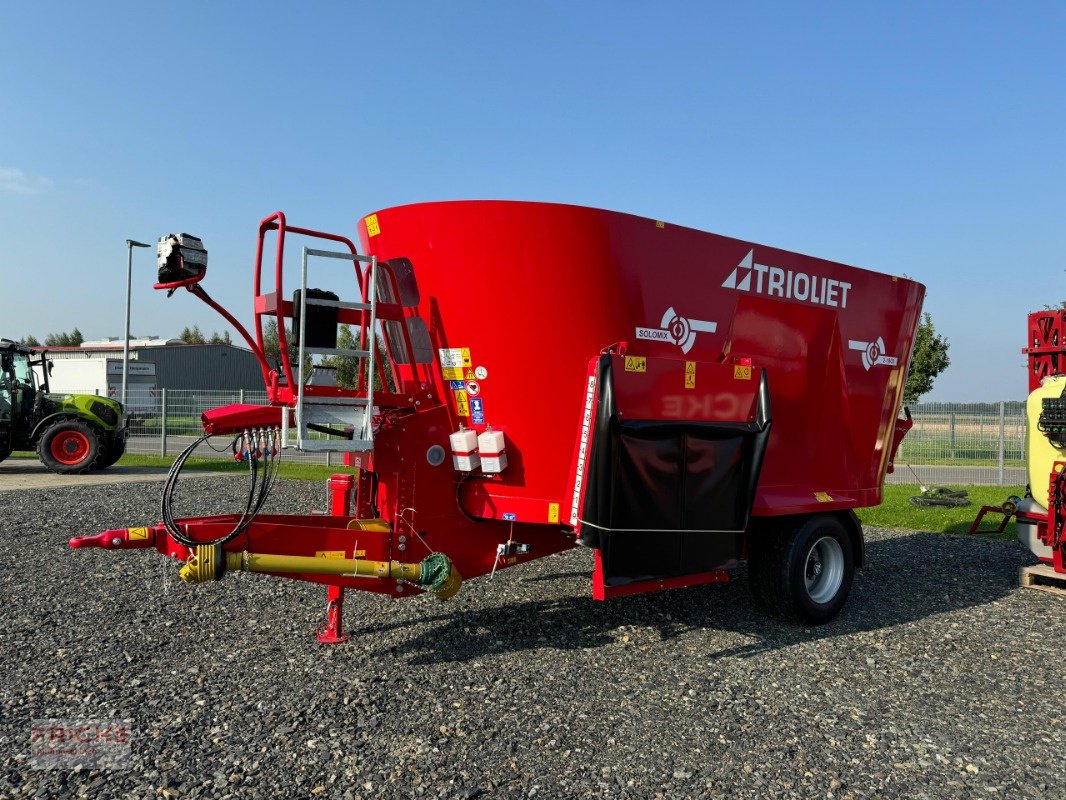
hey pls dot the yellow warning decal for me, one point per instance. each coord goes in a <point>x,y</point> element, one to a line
<point>690,374</point>
<point>372,227</point>
<point>137,533</point>
<point>823,497</point>
<point>461,396</point>
<point>334,554</point>
<point>469,375</point>
<point>511,560</point>
<point>454,362</point>
<point>462,408</point>
<point>636,364</point>
<point>553,512</point>
<point>741,372</point>
<point>660,224</point>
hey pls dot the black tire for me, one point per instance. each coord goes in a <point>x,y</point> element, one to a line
<point>69,446</point>
<point>4,452</point>
<point>111,452</point>
<point>804,572</point>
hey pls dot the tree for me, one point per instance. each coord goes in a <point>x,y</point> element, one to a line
<point>72,339</point>
<point>929,358</point>
<point>220,338</point>
<point>346,366</point>
<point>272,347</point>
<point>31,341</point>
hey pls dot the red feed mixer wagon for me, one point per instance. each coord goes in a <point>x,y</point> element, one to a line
<point>531,377</point>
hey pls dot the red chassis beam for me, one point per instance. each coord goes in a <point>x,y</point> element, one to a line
<point>601,591</point>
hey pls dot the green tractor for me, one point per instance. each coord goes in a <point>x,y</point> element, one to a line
<point>71,433</point>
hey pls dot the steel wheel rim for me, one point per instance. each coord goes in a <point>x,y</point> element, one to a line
<point>69,447</point>
<point>823,571</point>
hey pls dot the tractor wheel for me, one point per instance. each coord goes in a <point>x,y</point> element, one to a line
<point>111,452</point>
<point>803,573</point>
<point>69,446</point>
<point>4,452</point>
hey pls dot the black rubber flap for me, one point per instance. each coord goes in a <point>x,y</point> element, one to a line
<point>670,498</point>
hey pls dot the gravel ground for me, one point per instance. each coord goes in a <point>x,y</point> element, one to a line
<point>941,679</point>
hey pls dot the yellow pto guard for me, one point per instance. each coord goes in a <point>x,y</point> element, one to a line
<point>435,573</point>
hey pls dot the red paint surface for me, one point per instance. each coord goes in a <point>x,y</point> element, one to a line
<point>537,290</point>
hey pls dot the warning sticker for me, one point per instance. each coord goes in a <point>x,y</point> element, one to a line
<point>636,364</point>
<point>137,533</point>
<point>333,554</point>
<point>553,512</point>
<point>477,411</point>
<point>469,375</point>
<point>481,373</point>
<point>741,372</point>
<point>458,385</point>
<point>372,227</point>
<point>823,497</point>
<point>453,357</point>
<point>460,396</point>
<point>690,374</point>
<point>473,387</point>
<point>452,362</point>
<point>462,408</point>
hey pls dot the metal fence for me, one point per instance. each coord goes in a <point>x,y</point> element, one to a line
<point>164,422</point>
<point>950,443</point>
<point>964,444</point>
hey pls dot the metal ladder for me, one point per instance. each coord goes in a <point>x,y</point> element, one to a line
<point>341,410</point>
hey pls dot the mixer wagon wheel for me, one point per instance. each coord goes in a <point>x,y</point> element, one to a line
<point>802,571</point>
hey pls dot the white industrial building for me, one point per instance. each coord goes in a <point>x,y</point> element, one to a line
<point>155,364</point>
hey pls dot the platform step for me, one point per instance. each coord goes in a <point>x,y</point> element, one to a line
<point>337,415</point>
<point>1044,578</point>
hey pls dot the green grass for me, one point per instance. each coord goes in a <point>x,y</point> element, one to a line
<point>896,512</point>
<point>287,469</point>
<point>292,470</point>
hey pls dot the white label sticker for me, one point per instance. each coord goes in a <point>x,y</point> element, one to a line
<point>451,357</point>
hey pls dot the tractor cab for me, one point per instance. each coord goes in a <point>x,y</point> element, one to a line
<point>18,382</point>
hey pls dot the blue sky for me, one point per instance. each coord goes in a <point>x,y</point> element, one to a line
<point>923,139</point>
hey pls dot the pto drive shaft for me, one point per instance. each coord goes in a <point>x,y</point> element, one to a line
<point>435,573</point>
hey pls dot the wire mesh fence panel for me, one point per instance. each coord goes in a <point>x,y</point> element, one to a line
<point>964,443</point>
<point>968,444</point>
<point>168,421</point>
